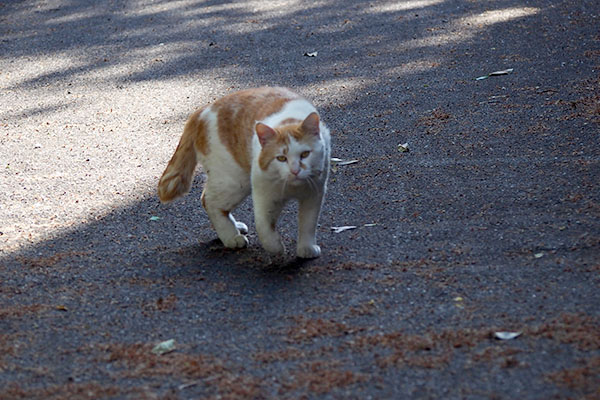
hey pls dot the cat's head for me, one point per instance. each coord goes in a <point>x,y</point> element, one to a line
<point>292,152</point>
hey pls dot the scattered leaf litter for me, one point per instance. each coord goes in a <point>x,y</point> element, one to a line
<point>339,229</point>
<point>495,73</point>
<point>164,347</point>
<point>507,335</point>
<point>339,161</point>
<point>459,302</point>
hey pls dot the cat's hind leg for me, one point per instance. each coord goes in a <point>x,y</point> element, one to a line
<point>219,199</point>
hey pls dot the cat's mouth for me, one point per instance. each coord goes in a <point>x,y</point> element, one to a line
<point>295,179</point>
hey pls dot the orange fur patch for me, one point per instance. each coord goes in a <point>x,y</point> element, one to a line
<point>238,112</point>
<point>293,128</point>
<point>296,133</point>
<point>290,121</point>
<point>201,141</point>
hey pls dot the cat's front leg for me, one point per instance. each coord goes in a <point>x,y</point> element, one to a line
<point>308,216</point>
<point>266,213</point>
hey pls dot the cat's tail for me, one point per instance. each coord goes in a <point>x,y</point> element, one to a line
<point>177,178</point>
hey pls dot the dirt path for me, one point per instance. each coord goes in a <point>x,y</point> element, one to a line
<point>490,223</point>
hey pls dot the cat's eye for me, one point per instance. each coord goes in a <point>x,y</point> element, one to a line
<point>282,158</point>
<point>304,154</point>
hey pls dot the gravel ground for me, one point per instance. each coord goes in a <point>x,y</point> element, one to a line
<point>490,223</point>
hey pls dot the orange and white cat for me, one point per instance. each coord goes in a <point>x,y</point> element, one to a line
<point>268,142</point>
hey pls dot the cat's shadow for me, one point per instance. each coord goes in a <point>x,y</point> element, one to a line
<point>212,255</point>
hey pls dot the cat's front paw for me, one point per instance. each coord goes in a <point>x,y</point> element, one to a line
<point>310,251</point>
<point>236,242</point>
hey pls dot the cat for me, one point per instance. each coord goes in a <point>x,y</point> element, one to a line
<point>268,142</point>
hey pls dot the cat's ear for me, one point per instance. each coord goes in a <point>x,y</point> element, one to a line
<point>310,126</point>
<point>265,133</point>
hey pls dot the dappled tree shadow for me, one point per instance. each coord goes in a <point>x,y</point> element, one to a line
<point>489,208</point>
<point>260,43</point>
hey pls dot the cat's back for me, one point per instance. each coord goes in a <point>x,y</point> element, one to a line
<point>257,103</point>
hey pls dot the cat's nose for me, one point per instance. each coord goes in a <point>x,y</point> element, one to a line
<point>295,168</point>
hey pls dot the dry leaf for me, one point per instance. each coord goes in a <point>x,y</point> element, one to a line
<point>338,229</point>
<point>339,161</point>
<point>403,148</point>
<point>164,347</point>
<point>507,335</point>
<point>495,73</point>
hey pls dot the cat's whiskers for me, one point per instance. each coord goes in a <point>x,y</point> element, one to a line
<point>283,187</point>
<point>312,184</point>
